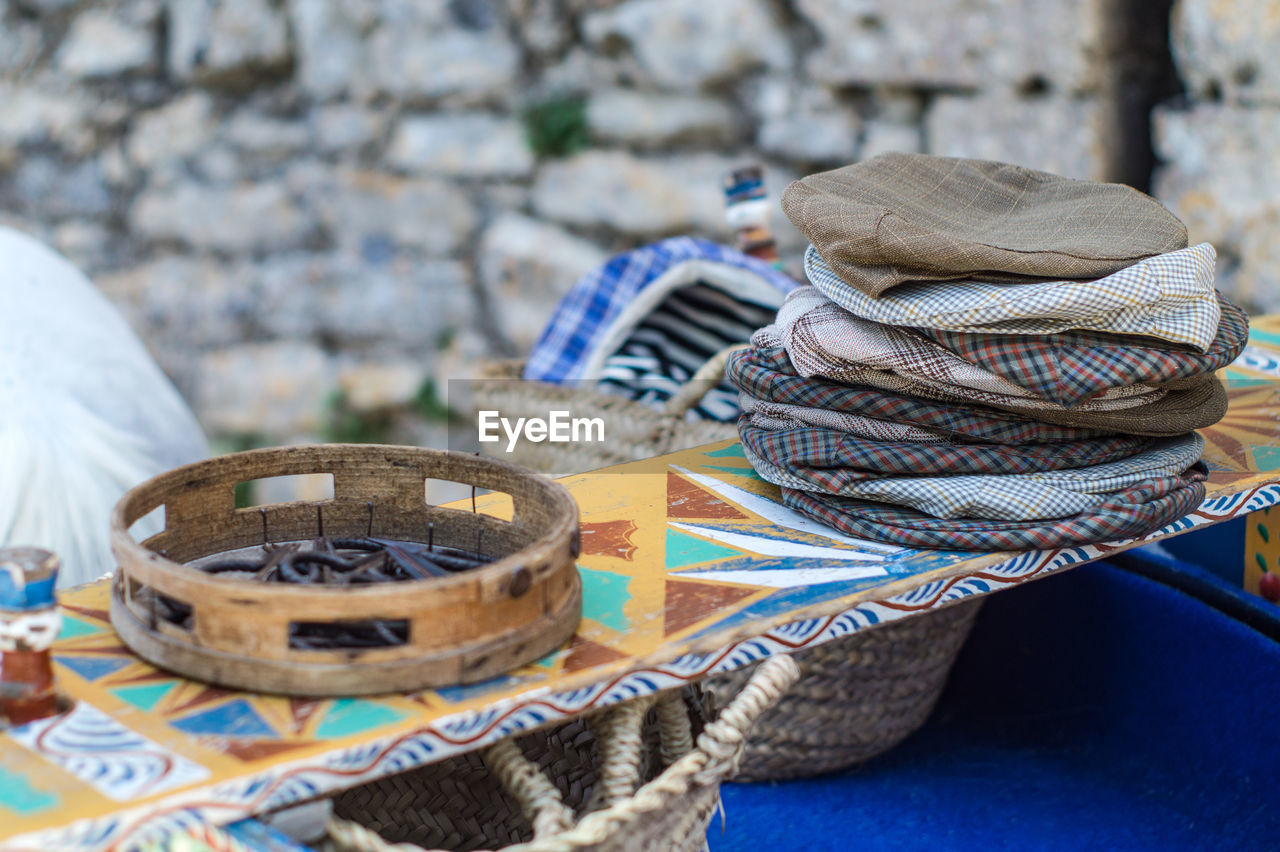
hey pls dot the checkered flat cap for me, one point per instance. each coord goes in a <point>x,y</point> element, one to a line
<point>1130,513</point>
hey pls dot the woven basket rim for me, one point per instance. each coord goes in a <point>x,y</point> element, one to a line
<point>135,505</point>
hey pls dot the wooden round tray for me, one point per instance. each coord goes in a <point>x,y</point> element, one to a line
<point>461,628</point>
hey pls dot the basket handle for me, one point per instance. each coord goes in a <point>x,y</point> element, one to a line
<point>692,392</point>
<point>719,748</point>
<point>716,757</point>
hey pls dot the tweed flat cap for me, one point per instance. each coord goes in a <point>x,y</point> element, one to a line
<point>913,217</point>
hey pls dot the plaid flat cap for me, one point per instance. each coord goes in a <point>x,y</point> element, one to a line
<point>589,311</point>
<point>912,217</point>
<point>1126,514</point>
<point>823,339</point>
<point>1195,404</point>
<point>840,457</point>
<point>829,458</point>
<point>1169,297</point>
<point>1041,495</point>
<point>774,415</point>
<point>767,374</point>
<point>1074,366</point>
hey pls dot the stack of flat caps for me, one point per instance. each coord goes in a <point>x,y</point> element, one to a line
<point>988,357</point>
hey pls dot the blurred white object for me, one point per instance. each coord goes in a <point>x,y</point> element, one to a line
<point>305,823</point>
<point>85,413</point>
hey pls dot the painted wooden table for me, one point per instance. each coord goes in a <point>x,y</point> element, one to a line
<point>689,568</point>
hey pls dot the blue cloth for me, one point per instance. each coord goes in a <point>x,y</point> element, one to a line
<point>599,296</point>
<point>1208,564</point>
<point>1096,709</point>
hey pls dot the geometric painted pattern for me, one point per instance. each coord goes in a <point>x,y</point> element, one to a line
<point>690,566</point>
<point>21,797</point>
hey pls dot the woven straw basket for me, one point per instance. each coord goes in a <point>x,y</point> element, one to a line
<point>635,430</point>
<point>859,696</point>
<point>527,794</point>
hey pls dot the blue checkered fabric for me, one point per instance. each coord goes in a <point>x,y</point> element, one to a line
<point>597,298</point>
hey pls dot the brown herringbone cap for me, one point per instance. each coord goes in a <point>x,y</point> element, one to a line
<point>914,217</point>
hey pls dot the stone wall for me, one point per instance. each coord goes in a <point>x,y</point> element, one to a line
<point>316,212</point>
<point>1219,142</point>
